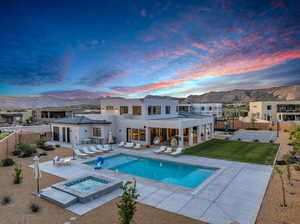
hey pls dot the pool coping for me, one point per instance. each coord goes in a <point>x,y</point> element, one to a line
<point>193,191</point>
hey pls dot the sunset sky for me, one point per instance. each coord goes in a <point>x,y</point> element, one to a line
<point>87,48</point>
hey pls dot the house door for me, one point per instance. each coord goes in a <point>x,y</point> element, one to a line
<point>128,134</point>
<point>55,133</point>
<point>68,135</point>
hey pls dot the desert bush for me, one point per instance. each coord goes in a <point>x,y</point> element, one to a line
<point>40,143</point>
<point>17,152</point>
<point>5,200</point>
<point>18,175</point>
<point>7,162</point>
<point>27,149</point>
<point>35,208</point>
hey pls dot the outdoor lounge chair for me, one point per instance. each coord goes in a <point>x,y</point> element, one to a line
<point>57,161</point>
<point>93,148</point>
<point>80,154</point>
<point>106,148</point>
<point>177,152</point>
<point>137,146</point>
<point>121,144</point>
<point>168,151</point>
<point>160,150</point>
<point>67,161</point>
<point>129,145</point>
<point>86,151</point>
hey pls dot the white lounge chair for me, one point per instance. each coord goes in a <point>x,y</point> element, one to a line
<point>160,150</point>
<point>129,145</point>
<point>86,151</point>
<point>93,148</point>
<point>106,148</point>
<point>99,147</point>
<point>121,144</point>
<point>168,151</point>
<point>67,162</point>
<point>177,152</point>
<point>137,146</point>
<point>80,154</point>
<point>57,161</point>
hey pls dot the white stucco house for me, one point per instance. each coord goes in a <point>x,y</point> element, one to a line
<point>148,121</point>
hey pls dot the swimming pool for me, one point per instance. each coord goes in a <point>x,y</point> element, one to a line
<point>185,175</point>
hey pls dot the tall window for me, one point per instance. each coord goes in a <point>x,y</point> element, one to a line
<point>210,108</point>
<point>168,109</point>
<point>135,134</point>
<point>136,110</point>
<point>97,132</point>
<point>109,107</point>
<point>123,110</point>
<point>154,110</point>
<point>202,108</point>
<point>64,134</point>
<point>142,135</point>
<point>55,133</point>
<point>269,107</point>
<point>44,114</point>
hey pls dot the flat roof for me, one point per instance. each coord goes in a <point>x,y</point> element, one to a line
<point>79,120</point>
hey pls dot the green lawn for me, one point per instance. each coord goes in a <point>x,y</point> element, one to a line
<point>3,135</point>
<point>250,152</point>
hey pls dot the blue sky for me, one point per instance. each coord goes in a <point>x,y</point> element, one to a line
<point>135,48</point>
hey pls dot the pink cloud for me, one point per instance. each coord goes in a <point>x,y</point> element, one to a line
<point>202,46</point>
<point>78,94</point>
<point>149,87</point>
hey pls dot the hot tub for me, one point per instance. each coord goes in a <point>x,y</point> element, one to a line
<point>88,187</point>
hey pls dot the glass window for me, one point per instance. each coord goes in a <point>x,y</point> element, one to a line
<point>202,108</point>
<point>142,134</point>
<point>97,132</point>
<point>136,110</point>
<point>55,133</point>
<point>135,134</point>
<point>269,107</point>
<point>109,107</point>
<point>210,108</point>
<point>168,109</point>
<point>123,110</point>
<point>154,110</point>
<point>44,114</point>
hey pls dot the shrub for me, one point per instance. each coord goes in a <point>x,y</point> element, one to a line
<point>285,130</point>
<point>271,141</point>
<point>40,143</point>
<point>18,176</point>
<point>239,139</point>
<point>256,140</point>
<point>17,152</point>
<point>5,200</point>
<point>57,145</point>
<point>27,149</point>
<point>297,167</point>
<point>35,207</point>
<point>127,203</point>
<point>48,148</point>
<point>7,162</point>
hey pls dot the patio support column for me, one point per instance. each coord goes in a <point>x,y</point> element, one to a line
<point>190,136</point>
<point>147,136</point>
<point>181,140</point>
<point>199,130</point>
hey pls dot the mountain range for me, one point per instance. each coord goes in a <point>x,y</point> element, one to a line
<point>291,92</point>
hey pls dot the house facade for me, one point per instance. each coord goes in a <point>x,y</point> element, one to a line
<point>282,111</point>
<point>153,120</point>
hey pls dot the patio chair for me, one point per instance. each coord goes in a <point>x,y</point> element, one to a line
<point>177,152</point>
<point>106,148</point>
<point>99,147</point>
<point>67,162</point>
<point>121,144</point>
<point>93,148</point>
<point>137,146</point>
<point>129,145</point>
<point>86,151</point>
<point>160,150</point>
<point>57,161</point>
<point>168,151</point>
<point>80,154</point>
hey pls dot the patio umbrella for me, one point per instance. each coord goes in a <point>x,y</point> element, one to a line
<point>37,172</point>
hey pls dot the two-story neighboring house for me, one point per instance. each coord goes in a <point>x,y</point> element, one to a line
<point>144,120</point>
<point>275,110</point>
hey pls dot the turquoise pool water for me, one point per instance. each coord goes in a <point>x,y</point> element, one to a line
<point>168,172</point>
<point>86,185</point>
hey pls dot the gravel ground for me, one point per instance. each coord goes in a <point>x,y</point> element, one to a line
<point>271,212</point>
<point>17,212</point>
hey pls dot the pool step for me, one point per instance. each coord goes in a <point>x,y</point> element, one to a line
<point>58,197</point>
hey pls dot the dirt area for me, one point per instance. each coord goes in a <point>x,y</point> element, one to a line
<point>18,211</point>
<point>271,211</point>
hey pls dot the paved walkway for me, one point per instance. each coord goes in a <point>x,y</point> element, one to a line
<point>233,193</point>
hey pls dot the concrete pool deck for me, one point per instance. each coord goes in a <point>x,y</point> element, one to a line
<point>234,193</point>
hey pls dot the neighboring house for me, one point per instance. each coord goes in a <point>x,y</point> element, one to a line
<point>14,117</point>
<point>51,113</point>
<point>275,110</point>
<point>80,129</point>
<point>212,109</point>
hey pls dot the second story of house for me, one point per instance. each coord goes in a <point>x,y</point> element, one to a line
<point>150,107</point>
